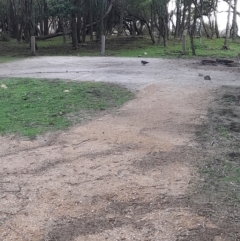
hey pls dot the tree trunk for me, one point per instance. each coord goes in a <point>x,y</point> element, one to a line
<point>150,33</point>
<point>234,25</point>
<point>61,23</point>
<point>205,29</point>
<point>182,26</point>
<point>166,23</point>
<point>228,26</point>
<point>19,35</point>
<point>91,19</point>
<point>216,19</point>
<point>159,37</point>
<point>120,28</point>
<point>192,27</point>
<point>178,19</point>
<point>45,7</point>
<point>8,18</point>
<point>41,29</point>
<point>84,26</point>
<point>79,22</point>
<point>201,23</point>
<point>211,25</point>
<point>152,20</point>
<point>3,26</point>
<point>74,31</point>
<point>133,27</point>
<point>13,27</point>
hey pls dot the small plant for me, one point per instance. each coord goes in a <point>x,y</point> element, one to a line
<point>224,131</point>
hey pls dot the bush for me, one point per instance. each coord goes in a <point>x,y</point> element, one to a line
<point>4,37</point>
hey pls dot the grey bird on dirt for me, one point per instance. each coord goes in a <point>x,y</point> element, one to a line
<point>144,62</point>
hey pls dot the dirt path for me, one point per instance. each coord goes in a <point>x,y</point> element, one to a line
<point>123,176</point>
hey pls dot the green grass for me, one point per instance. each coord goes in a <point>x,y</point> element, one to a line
<point>221,186</point>
<point>220,168</point>
<point>30,107</point>
<point>233,177</point>
<point>224,131</point>
<point>206,48</point>
<point>5,59</point>
<point>121,47</point>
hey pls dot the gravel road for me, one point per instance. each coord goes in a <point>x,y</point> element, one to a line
<point>125,71</point>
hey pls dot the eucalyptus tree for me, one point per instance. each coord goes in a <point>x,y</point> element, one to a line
<point>20,17</point>
<point>160,18</point>
<point>216,18</point>
<point>64,12</point>
<point>178,11</point>
<point>148,13</point>
<point>225,46</point>
<point>192,21</point>
<point>24,15</point>
<point>3,16</point>
<point>205,9</point>
<point>234,22</point>
<point>121,4</point>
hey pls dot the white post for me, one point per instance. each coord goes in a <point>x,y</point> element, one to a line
<point>33,43</point>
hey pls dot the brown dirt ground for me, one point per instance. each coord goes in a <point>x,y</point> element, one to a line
<point>122,176</point>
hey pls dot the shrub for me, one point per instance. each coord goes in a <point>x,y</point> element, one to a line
<point>5,37</point>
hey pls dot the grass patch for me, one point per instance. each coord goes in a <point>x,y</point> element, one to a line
<point>30,107</point>
<point>221,171</point>
<point>220,168</point>
<point>126,46</point>
<point>7,59</point>
<point>224,131</point>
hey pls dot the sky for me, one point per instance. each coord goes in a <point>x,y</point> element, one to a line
<point>222,17</point>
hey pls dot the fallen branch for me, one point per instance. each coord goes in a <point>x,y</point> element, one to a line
<point>54,35</point>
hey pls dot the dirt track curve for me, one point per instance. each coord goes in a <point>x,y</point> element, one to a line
<point>122,176</point>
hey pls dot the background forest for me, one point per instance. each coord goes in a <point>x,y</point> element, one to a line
<point>88,20</point>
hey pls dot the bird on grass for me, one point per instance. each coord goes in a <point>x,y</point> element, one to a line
<point>144,62</point>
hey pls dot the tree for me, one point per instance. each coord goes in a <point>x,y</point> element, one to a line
<point>192,20</point>
<point>161,18</point>
<point>51,18</point>
<point>225,46</point>
<point>216,18</point>
<point>65,10</point>
<point>234,25</point>
<point>122,11</point>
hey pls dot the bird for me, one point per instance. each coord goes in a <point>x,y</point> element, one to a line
<point>207,77</point>
<point>144,62</point>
